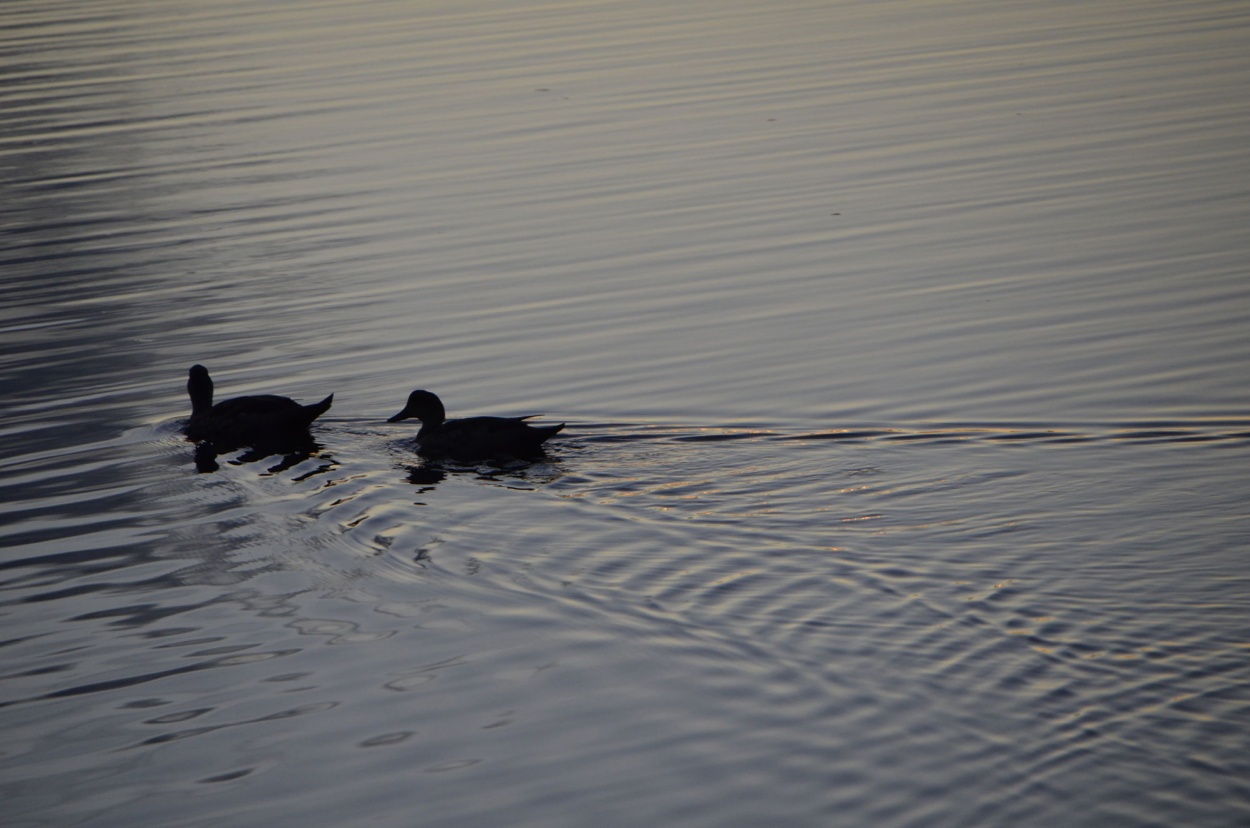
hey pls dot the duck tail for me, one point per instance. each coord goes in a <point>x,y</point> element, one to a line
<point>317,409</point>
<point>549,431</point>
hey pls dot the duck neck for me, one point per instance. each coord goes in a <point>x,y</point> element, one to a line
<point>200,387</point>
<point>434,415</point>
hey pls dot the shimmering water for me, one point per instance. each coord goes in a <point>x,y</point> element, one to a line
<point>904,349</point>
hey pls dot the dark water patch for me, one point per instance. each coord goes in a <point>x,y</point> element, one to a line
<point>231,776</point>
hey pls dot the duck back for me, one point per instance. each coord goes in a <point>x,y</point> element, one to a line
<point>480,438</point>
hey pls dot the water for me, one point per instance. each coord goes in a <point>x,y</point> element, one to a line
<point>903,349</point>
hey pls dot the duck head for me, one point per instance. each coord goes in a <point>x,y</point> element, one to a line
<point>423,406</point>
<point>200,387</point>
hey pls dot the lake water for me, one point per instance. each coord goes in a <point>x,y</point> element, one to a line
<point>905,354</point>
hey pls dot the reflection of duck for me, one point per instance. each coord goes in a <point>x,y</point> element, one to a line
<point>473,438</point>
<point>261,420</point>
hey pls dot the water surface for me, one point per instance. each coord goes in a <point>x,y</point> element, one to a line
<point>902,347</point>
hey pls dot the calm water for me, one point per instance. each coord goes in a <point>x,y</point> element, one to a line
<point>905,352</point>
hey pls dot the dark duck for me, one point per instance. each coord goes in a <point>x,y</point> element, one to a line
<point>259,421</point>
<point>472,438</point>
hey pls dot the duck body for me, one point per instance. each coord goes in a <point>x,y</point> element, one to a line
<point>472,438</point>
<point>257,420</point>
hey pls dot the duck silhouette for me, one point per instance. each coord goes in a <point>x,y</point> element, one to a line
<point>262,421</point>
<point>471,438</point>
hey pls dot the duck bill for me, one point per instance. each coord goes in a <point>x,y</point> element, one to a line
<point>403,415</point>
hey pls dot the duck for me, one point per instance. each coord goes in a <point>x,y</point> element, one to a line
<point>257,421</point>
<point>472,438</point>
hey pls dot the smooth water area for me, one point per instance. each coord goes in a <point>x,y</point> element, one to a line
<point>904,349</point>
